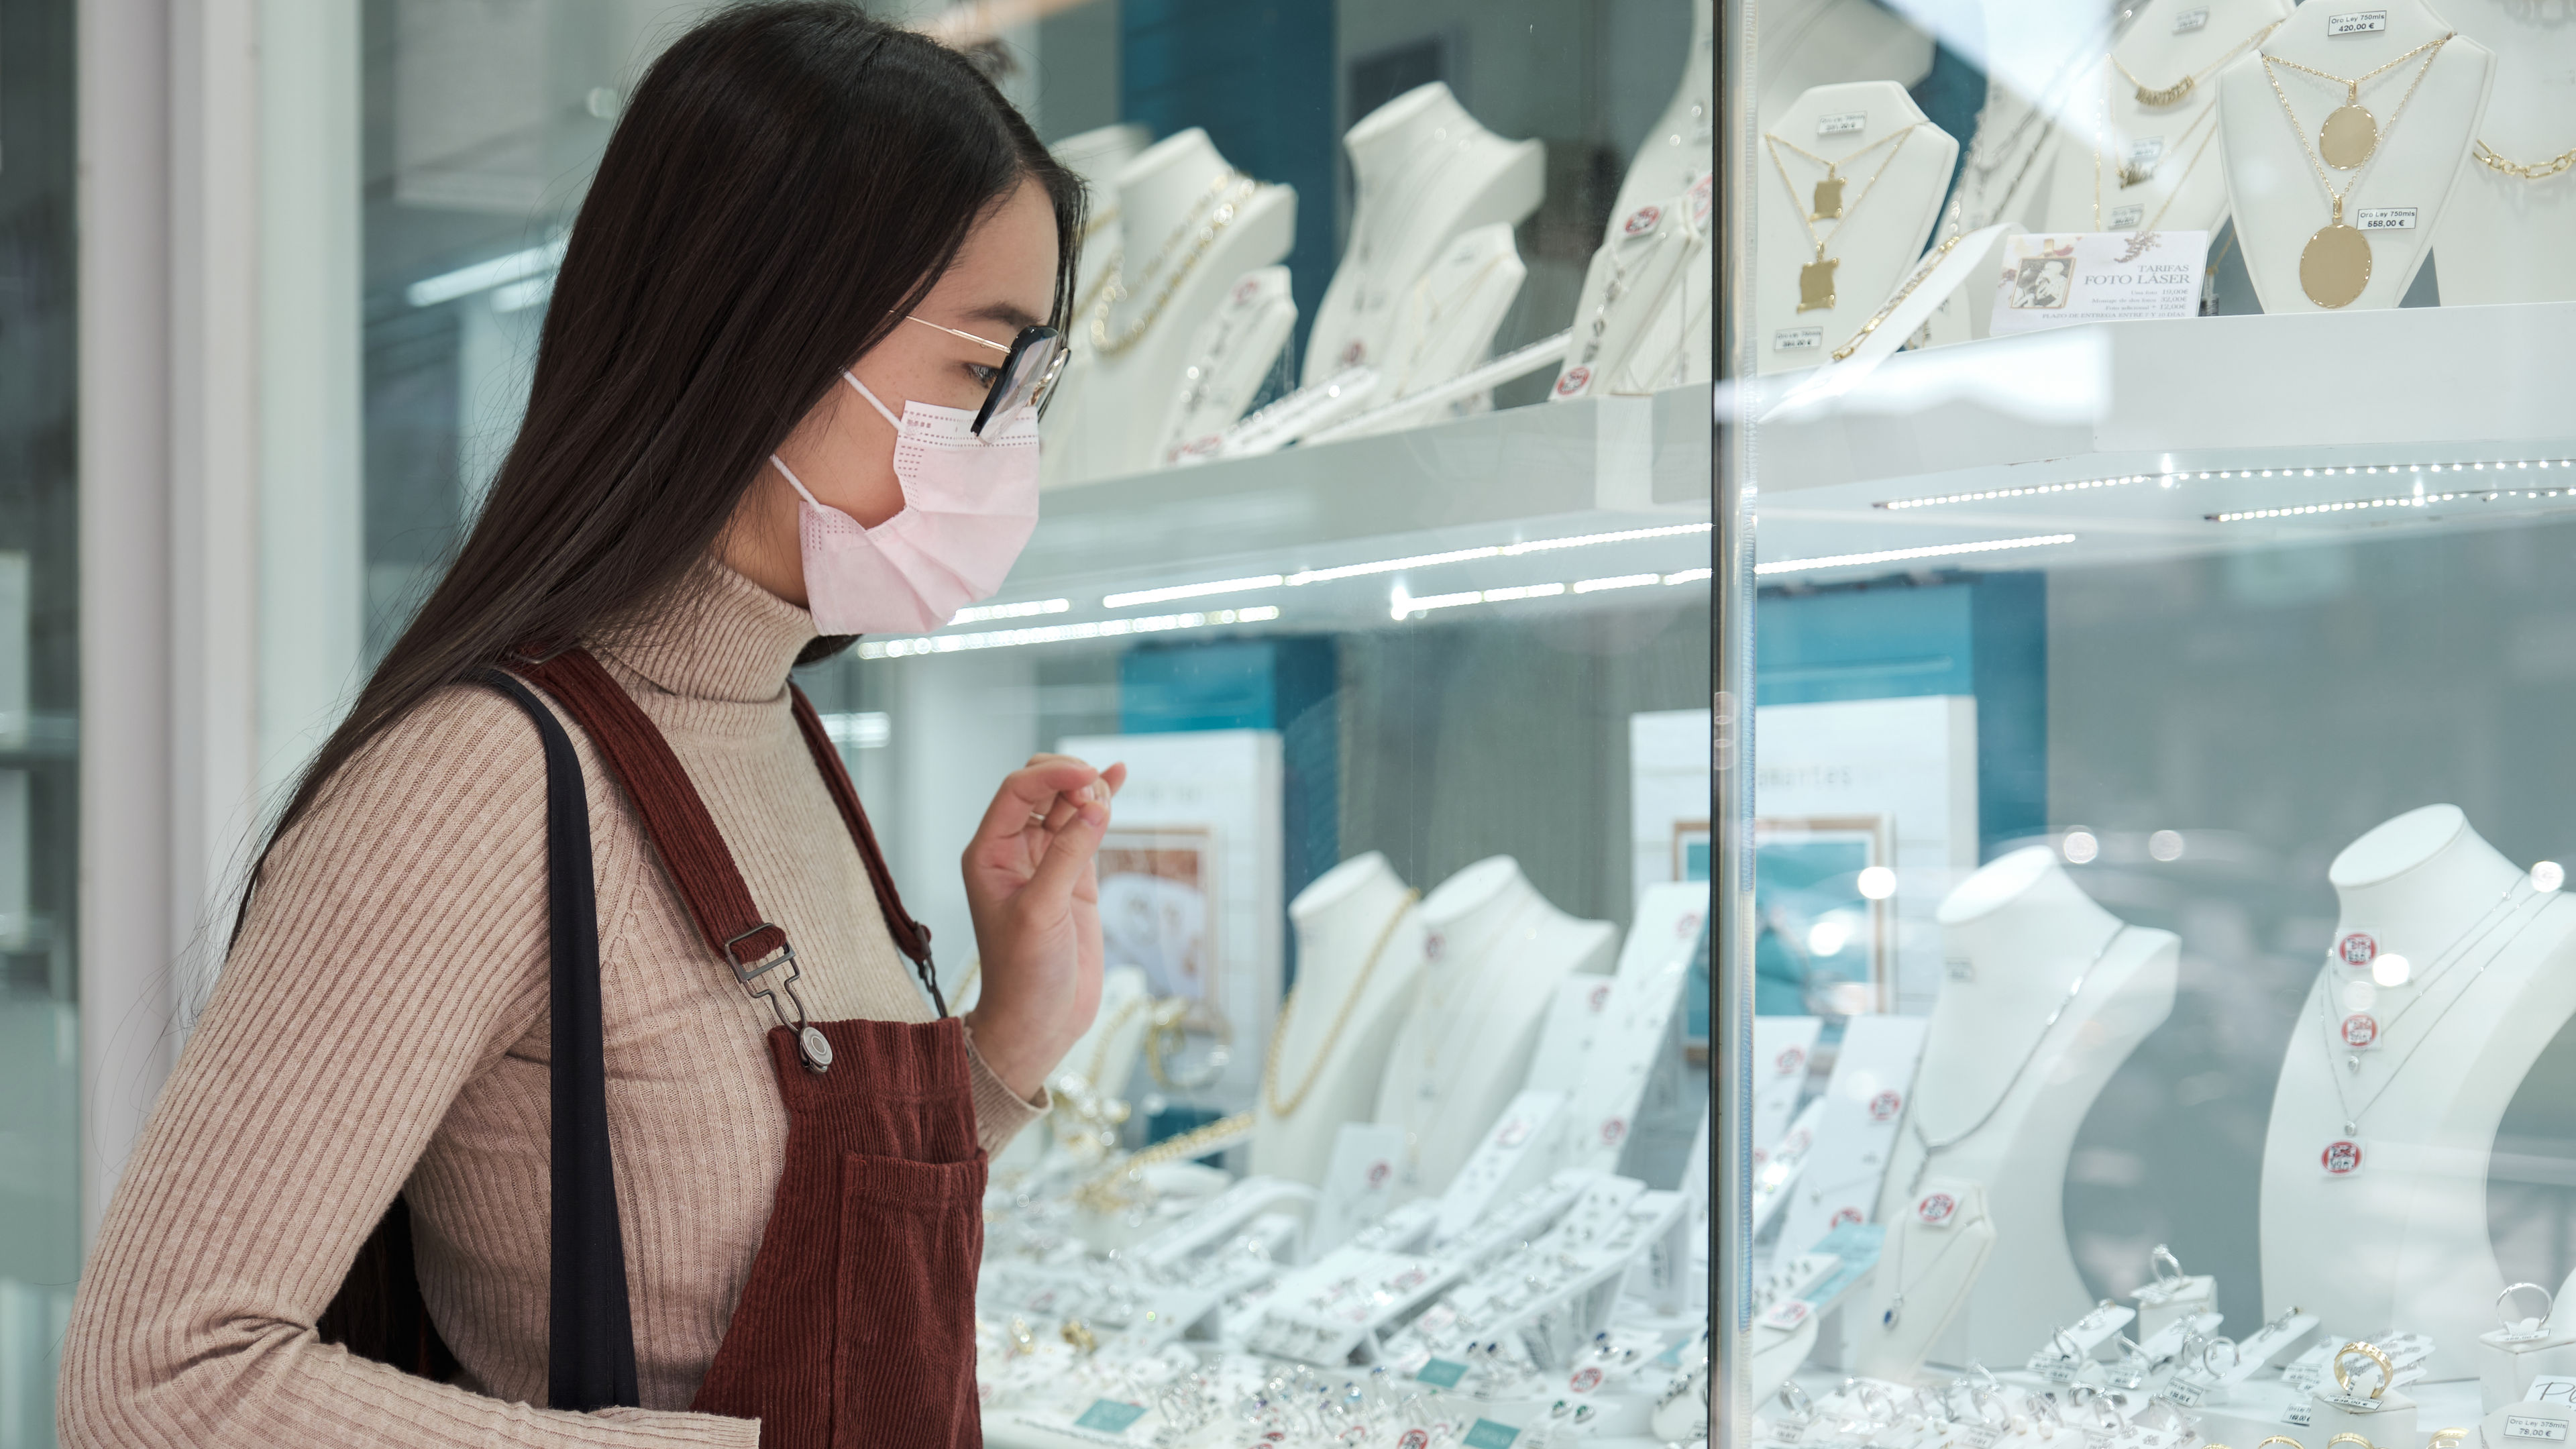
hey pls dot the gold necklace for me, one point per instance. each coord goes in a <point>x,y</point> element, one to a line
<point>2158,97</point>
<point>2334,266</point>
<point>2537,171</point>
<point>2350,135</point>
<point>2130,175</point>
<point>1229,193</point>
<point>1922,270</point>
<point>1816,278</point>
<point>1333,1035</point>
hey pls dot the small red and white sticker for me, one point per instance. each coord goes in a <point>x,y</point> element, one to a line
<point>1885,1106</point>
<point>2360,1029</point>
<point>1641,221</point>
<point>1787,1313</point>
<point>1701,197</point>
<point>1575,380</point>
<point>1414,1439</point>
<point>1687,927</point>
<point>1245,292</point>
<point>1378,1173</point>
<point>1588,1378</point>
<point>1513,1133</point>
<point>1433,945</point>
<point>1599,997</point>
<point>1790,1062</point>
<point>1936,1209</point>
<point>1613,1131</point>
<point>1353,355</point>
<point>1844,1214</point>
<point>2342,1157</point>
<point>2357,949</point>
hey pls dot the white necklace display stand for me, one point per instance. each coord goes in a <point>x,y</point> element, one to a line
<point>2401,1237</point>
<point>1682,147</point>
<point>2019,935</point>
<point>1097,157</point>
<point>1166,197</point>
<point>1425,171</point>
<point>1445,322</point>
<point>2272,187</point>
<point>1233,352</point>
<point>2504,238</point>
<point>1339,920</point>
<point>1885,227</point>
<point>1937,1245</point>
<point>2174,148</point>
<point>1493,954</point>
<point>1810,43</point>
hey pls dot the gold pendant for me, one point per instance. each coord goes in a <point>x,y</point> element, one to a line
<point>1816,284</point>
<point>2350,135</point>
<point>2168,96</point>
<point>2335,264</point>
<point>2131,175</point>
<point>1829,200</point>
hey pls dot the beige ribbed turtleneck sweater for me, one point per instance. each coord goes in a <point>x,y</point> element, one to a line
<point>381,1026</point>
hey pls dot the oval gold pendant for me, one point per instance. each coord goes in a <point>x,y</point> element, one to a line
<point>2335,266</point>
<point>2350,135</point>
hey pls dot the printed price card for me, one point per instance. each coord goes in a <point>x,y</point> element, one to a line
<point>2059,279</point>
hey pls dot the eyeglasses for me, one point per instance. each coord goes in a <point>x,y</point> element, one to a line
<point>1030,366</point>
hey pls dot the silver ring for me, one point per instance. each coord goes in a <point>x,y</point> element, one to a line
<point>1795,1400</point>
<point>2044,1416</point>
<point>2159,1260</point>
<point>2548,1304</point>
<point>2235,1356</point>
<point>1981,1398</point>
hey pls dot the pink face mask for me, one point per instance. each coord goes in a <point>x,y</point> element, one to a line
<point>969,505</point>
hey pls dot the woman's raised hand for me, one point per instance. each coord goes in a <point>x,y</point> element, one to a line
<point>1035,899</point>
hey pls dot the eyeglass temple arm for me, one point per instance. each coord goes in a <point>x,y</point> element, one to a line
<point>1001,347</point>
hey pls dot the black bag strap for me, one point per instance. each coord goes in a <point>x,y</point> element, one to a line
<point>590,1332</point>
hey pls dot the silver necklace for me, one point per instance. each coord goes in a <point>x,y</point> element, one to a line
<point>1932,1148</point>
<point>2352,1115</point>
<point>1895,1313</point>
<point>2495,915</point>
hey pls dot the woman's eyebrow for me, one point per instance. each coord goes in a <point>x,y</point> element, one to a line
<point>1003,313</point>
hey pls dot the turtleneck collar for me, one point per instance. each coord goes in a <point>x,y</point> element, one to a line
<point>719,638</point>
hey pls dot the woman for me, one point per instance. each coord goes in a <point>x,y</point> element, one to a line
<point>784,395</point>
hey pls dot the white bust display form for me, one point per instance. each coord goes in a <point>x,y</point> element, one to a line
<point>1810,43</point>
<point>1939,1242</point>
<point>2505,238</point>
<point>1166,196</point>
<point>1424,172</point>
<point>1340,918</point>
<point>2017,937</point>
<point>2179,179</point>
<point>1097,157</point>
<point>1493,952</point>
<point>2272,185</point>
<point>1682,146</point>
<point>2402,1238</point>
<point>1884,225</point>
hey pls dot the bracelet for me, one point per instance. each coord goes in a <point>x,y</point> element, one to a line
<point>2343,1380</point>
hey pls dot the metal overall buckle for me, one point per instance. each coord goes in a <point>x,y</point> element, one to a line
<point>811,1045</point>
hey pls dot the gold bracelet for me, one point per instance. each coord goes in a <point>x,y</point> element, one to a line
<point>2372,1352</point>
<point>2535,171</point>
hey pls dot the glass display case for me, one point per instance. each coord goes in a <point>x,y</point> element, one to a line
<point>2148,496</point>
<point>1376,540</point>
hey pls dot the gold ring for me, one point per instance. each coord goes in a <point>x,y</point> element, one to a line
<point>2280,1439</point>
<point>2350,1439</point>
<point>2453,1436</point>
<point>2369,1351</point>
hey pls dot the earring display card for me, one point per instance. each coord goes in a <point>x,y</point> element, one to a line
<point>1511,1156</point>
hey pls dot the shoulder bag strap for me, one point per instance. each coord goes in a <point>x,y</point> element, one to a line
<point>590,1357</point>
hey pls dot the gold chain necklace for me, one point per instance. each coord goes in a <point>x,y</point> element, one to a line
<point>1816,278</point>
<point>2334,266</point>
<point>2350,135</point>
<point>1341,1019</point>
<point>2130,175</point>
<point>2157,98</point>
<point>2538,171</point>
<point>1229,192</point>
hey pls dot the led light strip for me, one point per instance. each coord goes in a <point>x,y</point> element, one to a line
<point>979,613</point>
<point>1059,633</point>
<point>1900,555</point>
<point>1401,605</point>
<point>2410,500</point>
<point>1304,577</point>
<point>2186,475</point>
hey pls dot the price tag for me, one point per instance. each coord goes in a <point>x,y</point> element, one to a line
<point>2535,1426</point>
<point>1798,339</point>
<point>2185,1392</point>
<point>1959,968</point>
<point>2055,1370</point>
<point>1109,1416</point>
<point>2300,1412</point>
<point>2387,218</point>
<point>1975,1436</point>
<point>1786,1314</point>
<point>2357,22</point>
<point>2191,20</point>
<point>1440,1373</point>
<point>1489,1435</point>
<point>2146,150</point>
<point>1786,1433</point>
<point>2342,1157</point>
<point>2357,1403</point>
<point>2551,1389</point>
<point>1842,124</point>
<point>2128,218</point>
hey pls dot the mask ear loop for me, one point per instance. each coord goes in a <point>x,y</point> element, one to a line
<point>792,480</point>
<point>852,379</point>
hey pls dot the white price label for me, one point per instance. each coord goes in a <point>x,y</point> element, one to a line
<point>1788,1313</point>
<point>2357,1403</point>
<point>2551,1389</point>
<point>2055,1369</point>
<point>2357,22</point>
<point>2128,218</point>
<point>2534,1426</point>
<point>1959,969</point>
<point>2146,150</point>
<point>2186,1391</point>
<point>1842,124</point>
<point>1786,1433</point>
<point>2299,1412</point>
<point>1798,339</point>
<point>2387,218</point>
<point>2191,20</point>
<point>1976,1436</point>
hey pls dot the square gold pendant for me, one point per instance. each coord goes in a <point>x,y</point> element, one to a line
<point>1816,285</point>
<point>1829,200</point>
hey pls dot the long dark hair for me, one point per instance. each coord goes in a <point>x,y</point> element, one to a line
<point>787,182</point>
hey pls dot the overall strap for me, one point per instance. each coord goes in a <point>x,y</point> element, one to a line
<point>590,1348</point>
<point>911,937</point>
